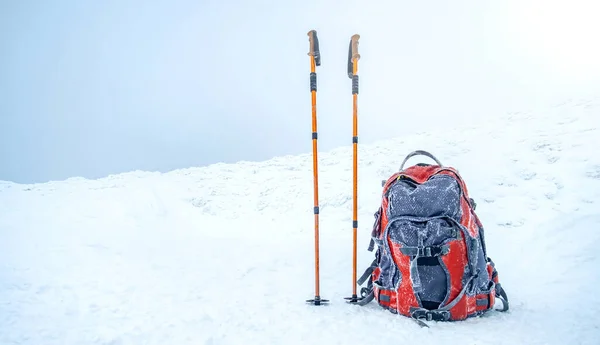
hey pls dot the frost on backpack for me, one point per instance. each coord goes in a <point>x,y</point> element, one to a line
<point>431,261</point>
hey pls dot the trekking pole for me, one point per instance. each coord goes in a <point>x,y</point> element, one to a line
<point>315,60</point>
<point>353,57</point>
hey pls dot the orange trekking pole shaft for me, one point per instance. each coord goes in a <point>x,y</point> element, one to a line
<point>353,57</point>
<point>315,60</point>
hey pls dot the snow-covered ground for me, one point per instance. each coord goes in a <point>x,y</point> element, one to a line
<point>223,254</point>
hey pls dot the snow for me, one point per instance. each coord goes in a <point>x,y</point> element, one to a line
<point>223,254</point>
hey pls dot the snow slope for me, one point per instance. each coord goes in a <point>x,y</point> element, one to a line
<point>223,254</point>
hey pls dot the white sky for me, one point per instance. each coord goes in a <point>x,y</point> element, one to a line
<point>96,88</point>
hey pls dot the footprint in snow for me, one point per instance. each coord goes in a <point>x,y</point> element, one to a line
<point>527,175</point>
<point>512,223</point>
<point>593,172</point>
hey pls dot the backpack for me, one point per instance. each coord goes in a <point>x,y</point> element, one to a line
<point>431,260</point>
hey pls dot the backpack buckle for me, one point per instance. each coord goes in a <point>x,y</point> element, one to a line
<point>430,315</point>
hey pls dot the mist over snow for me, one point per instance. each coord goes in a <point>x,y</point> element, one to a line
<point>156,174</point>
<point>92,89</point>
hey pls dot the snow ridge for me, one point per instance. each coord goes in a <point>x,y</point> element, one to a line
<point>223,254</point>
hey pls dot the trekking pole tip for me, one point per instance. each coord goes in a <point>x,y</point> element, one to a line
<point>317,301</point>
<point>314,46</point>
<point>353,299</point>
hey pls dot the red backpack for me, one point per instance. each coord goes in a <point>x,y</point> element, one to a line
<point>431,260</point>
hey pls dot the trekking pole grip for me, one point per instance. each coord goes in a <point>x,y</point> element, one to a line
<point>354,42</point>
<point>353,54</point>
<point>314,46</point>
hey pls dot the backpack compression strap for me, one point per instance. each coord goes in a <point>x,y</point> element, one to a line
<point>367,293</point>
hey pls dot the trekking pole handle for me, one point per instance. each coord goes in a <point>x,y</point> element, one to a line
<point>353,54</point>
<point>417,153</point>
<point>354,45</point>
<point>314,46</point>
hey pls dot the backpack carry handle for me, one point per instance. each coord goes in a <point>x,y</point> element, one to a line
<point>417,153</point>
